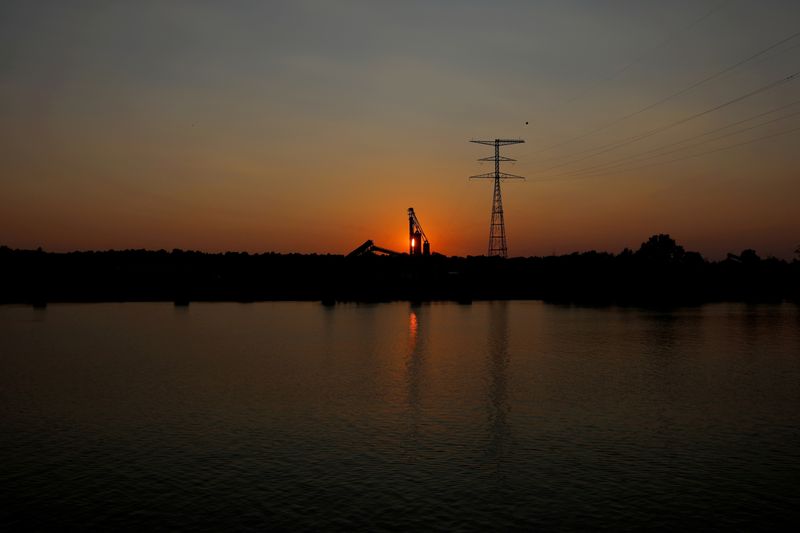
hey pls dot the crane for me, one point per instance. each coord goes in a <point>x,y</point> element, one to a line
<point>417,241</point>
<point>369,247</point>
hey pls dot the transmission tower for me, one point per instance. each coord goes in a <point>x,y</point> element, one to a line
<point>497,229</point>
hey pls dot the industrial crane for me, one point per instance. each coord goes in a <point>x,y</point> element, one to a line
<point>417,241</point>
<point>369,248</point>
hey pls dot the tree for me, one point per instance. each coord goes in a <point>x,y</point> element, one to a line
<point>749,256</point>
<point>661,248</point>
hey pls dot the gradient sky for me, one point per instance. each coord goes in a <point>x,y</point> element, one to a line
<point>311,126</point>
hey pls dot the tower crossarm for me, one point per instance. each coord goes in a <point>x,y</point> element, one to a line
<point>499,158</point>
<point>500,175</point>
<point>498,142</point>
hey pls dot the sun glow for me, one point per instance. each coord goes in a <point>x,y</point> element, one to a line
<point>412,328</point>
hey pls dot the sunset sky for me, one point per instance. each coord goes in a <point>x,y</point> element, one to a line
<point>311,126</point>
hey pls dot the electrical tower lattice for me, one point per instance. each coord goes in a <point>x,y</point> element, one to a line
<point>497,229</point>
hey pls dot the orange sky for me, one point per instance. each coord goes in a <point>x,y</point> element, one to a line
<point>311,128</point>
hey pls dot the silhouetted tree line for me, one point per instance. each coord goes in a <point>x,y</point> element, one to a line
<point>659,272</point>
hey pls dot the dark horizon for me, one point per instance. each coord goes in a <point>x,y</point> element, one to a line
<point>794,255</point>
<point>660,271</point>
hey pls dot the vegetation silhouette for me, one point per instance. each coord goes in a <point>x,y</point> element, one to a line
<point>660,272</point>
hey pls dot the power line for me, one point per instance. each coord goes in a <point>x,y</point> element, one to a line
<point>722,148</point>
<point>589,150</point>
<point>670,37</point>
<point>635,138</point>
<point>692,156</point>
<point>635,159</point>
<point>675,94</point>
<point>638,157</point>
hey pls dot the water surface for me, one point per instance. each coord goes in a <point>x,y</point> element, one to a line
<point>494,415</point>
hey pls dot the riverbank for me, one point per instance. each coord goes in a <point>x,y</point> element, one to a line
<point>658,274</point>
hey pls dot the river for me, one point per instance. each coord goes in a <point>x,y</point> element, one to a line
<point>495,415</point>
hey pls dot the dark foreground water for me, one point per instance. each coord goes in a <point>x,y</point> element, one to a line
<point>491,416</point>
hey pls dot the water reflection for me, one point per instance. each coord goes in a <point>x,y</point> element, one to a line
<point>413,325</point>
<point>415,366</point>
<point>294,416</point>
<point>755,322</point>
<point>660,334</point>
<point>497,399</point>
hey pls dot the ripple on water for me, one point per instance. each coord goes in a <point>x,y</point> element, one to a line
<point>494,416</point>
